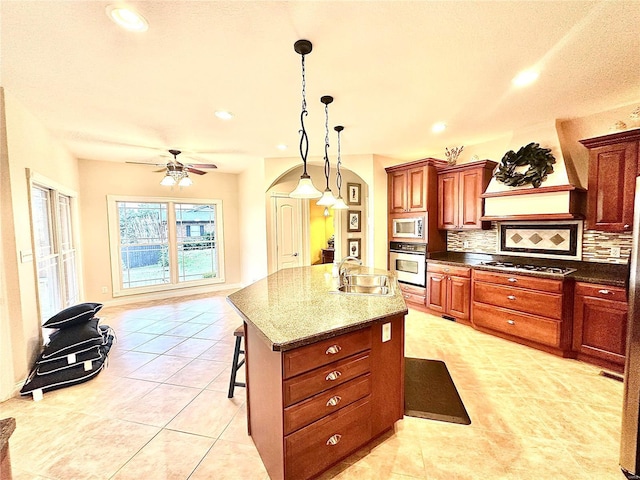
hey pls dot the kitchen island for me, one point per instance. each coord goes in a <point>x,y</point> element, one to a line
<point>325,370</point>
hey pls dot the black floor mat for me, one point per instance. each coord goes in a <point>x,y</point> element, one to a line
<point>429,392</point>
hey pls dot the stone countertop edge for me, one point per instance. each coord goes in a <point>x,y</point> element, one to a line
<point>590,272</point>
<point>7,426</point>
<point>295,307</point>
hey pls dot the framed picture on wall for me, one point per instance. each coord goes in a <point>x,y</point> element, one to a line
<point>353,194</point>
<point>353,217</point>
<point>353,247</point>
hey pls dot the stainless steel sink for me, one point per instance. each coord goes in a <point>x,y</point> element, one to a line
<point>365,289</point>
<point>366,284</point>
<point>366,280</point>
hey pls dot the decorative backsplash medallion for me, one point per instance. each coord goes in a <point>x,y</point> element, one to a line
<point>562,239</point>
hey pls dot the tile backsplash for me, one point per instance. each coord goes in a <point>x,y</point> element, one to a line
<point>596,246</point>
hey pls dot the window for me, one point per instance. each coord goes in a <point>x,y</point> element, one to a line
<point>55,252</point>
<point>160,244</point>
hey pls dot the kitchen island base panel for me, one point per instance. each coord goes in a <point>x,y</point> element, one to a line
<point>351,426</point>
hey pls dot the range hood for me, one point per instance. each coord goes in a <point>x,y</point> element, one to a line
<point>558,198</point>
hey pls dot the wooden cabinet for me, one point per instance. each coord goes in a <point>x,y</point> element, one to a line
<point>310,407</point>
<point>412,191</point>
<point>460,205</point>
<point>327,255</point>
<point>412,294</point>
<point>530,310</point>
<point>613,167</point>
<point>600,325</point>
<point>449,290</point>
<point>408,190</point>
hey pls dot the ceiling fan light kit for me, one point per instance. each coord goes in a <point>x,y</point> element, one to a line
<point>178,173</point>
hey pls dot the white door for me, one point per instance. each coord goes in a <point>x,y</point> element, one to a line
<point>288,233</point>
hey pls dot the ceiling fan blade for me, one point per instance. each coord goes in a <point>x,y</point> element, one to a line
<point>161,170</point>
<point>148,164</point>
<point>203,165</point>
<point>195,170</point>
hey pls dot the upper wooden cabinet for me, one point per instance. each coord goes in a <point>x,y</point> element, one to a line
<point>460,187</point>
<point>411,185</point>
<point>613,167</point>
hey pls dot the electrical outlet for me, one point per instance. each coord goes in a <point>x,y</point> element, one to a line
<point>465,244</point>
<point>386,332</point>
<point>615,252</point>
<point>105,290</point>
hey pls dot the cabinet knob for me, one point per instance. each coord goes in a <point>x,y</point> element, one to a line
<point>513,280</point>
<point>446,269</point>
<point>334,439</point>
<point>333,401</point>
<point>511,322</point>
<point>333,376</point>
<point>626,225</point>
<point>333,349</point>
<point>406,296</point>
<point>604,292</point>
<point>511,297</point>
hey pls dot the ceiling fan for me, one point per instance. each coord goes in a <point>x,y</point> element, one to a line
<point>177,172</point>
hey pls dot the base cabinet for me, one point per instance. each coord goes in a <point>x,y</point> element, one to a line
<point>310,407</point>
<point>413,295</point>
<point>600,325</point>
<point>530,310</point>
<point>449,290</point>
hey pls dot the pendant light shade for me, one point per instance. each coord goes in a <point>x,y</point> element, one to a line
<point>339,205</point>
<point>168,181</point>
<point>305,188</point>
<point>185,181</point>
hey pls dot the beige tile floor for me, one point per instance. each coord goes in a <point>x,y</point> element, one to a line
<point>160,410</point>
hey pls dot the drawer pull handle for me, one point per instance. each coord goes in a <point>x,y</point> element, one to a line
<point>333,401</point>
<point>604,292</point>
<point>333,349</point>
<point>513,280</point>
<point>334,439</point>
<point>406,296</point>
<point>511,322</point>
<point>626,225</point>
<point>511,297</point>
<point>333,376</point>
<point>446,269</point>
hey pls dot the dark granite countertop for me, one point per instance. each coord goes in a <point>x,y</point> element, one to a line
<point>299,306</point>
<point>592,272</point>
<point>7,426</point>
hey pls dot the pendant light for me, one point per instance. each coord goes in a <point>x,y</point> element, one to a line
<point>327,197</point>
<point>339,205</point>
<point>305,188</point>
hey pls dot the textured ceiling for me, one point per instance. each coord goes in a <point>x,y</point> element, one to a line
<point>394,68</point>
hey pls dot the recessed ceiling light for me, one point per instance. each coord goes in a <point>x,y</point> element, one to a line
<point>439,127</point>
<point>524,78</point>
<point>224,115</point>
<point>127,18</point>
<point>282,146</point>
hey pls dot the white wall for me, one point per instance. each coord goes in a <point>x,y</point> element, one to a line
<point>28,146</point>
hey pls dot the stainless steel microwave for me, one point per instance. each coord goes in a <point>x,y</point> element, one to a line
<point>408,227</point>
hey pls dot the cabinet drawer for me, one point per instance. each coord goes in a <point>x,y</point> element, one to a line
<point>522,281</point>
<point>313,356</point>
<point>606,292</point>
<point>413,294</point>
<point>530,327</point>
<point>325,403</point>
<point>529,301</point>
<point>323,443</point>
<point>412,289</point>
<point>448,269</point>
<point>323,378</point>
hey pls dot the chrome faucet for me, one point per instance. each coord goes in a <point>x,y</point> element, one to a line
<point>342,269</point>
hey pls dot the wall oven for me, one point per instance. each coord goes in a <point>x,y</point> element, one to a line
<point>408,228</point>
<point>409,262</point>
